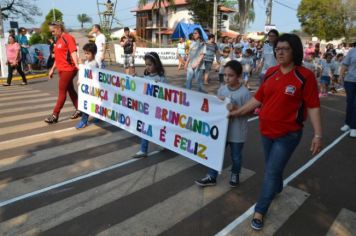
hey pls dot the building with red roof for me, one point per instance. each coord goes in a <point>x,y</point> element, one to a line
<point>148,20</point>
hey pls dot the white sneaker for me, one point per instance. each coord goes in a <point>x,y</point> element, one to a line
<point>353,133</point>
<point>345,128</point>
<point>140,154</point>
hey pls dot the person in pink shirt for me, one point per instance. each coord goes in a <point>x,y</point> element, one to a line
<point>309,51</point>
<point>14,60</point>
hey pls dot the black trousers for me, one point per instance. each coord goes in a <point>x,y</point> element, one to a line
<point>11,71</point>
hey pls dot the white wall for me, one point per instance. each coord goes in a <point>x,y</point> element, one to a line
<point>181,15</point>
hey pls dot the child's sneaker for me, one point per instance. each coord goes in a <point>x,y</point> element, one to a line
<point>345,128</point>
<point>206,181</point>
<point>81,124</point>
<point>257,224</point>
<point>140,154</point>
<point>234,180</point>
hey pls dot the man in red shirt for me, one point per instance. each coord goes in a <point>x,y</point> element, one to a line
<point>289,91</point>
<point>66,62</point>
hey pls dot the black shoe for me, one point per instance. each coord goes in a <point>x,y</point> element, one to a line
<point>234,180</point>
<point>76,114</point>
<point>257,224</point>
<point>206,181</point>
<point>51,119</point>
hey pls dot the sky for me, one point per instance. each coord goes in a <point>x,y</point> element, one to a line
<point>284,17</point>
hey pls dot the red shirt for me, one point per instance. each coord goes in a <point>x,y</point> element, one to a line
<point>60,52</point>
<point>284,99</point>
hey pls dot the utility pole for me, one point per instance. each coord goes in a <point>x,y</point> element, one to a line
<point>53,11</point>
<point>215,13</point>
<point>269,13</point>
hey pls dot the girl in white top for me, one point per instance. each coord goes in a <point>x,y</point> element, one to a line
<point>90,51</point>
<point>154,71</point>
<point>181,53</point>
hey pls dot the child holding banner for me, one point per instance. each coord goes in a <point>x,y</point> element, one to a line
<point>155,72</point>
<point>90,51</point>
<point>237,132</point>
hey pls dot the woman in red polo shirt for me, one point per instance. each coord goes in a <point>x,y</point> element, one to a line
<point>66,62</point>
<point>289,92</point>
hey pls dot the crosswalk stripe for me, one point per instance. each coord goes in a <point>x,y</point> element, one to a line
<point>27,115</point>
<point>2,95</point>
<point>49,105</point>
<point>60,175</point>
<point>64,210</point>
<point>34,101</point>
<point>344,224</point>
<point>13,88</point>
<point>154,220</point>
<point>27,126</point>
<point>280,210</point>
<point>23,96</point>
<point>57,134</point>
<point>53,152</point>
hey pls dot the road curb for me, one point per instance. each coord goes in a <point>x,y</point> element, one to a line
<point>28,77</point>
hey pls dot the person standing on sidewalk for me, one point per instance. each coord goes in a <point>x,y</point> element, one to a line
<point>100,42</point>
<point>25,55</point>
<point>66,62</point>
<point>128,42</point>
<point>14,61</point>
<point>288,93</point>
<point>349,65</point>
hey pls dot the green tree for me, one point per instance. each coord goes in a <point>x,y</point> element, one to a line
<point>45,34</point>
<point>35,39</point>
<point>246,14</point>
<point>25,9</point>
<point>202,12</point>
<point>158,4</point>
<point>323,18</point>
<point>84,18</point>
<point>235,21</point>
<point>350,17</point>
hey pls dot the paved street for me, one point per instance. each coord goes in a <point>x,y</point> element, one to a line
<point>56,180</point>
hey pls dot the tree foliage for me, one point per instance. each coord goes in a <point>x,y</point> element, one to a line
<point>25,9</point>
<point>35,39</point>
<point>45,34</point>
<point>84,18</point>
<point>202,12</point>
<point>246,14</point>
<point>323,18</point>
<point>350,17</point>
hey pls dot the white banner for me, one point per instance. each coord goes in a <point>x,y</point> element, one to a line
<point>168,56</point>
<point>187,122</point>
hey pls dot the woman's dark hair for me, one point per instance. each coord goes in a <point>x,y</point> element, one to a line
<point>274,31</point>
<point>13,36</point>
<point>296,45</point>
<point>153,56</point>
<point>97,26</point>
<point>210,36</point>
<point>235,66</point>
<point>90,47</point>
<point>200,33</point>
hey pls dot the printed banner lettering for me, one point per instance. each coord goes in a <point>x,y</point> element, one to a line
<point>190,123</point>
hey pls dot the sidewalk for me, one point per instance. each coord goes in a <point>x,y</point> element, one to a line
<point>28,77</point>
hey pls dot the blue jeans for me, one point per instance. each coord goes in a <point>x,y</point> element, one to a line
<point>277,154</point>
<point>144,145</point>
<point>196,74</point>
<point>350,88</point>
<point>236,157</point>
